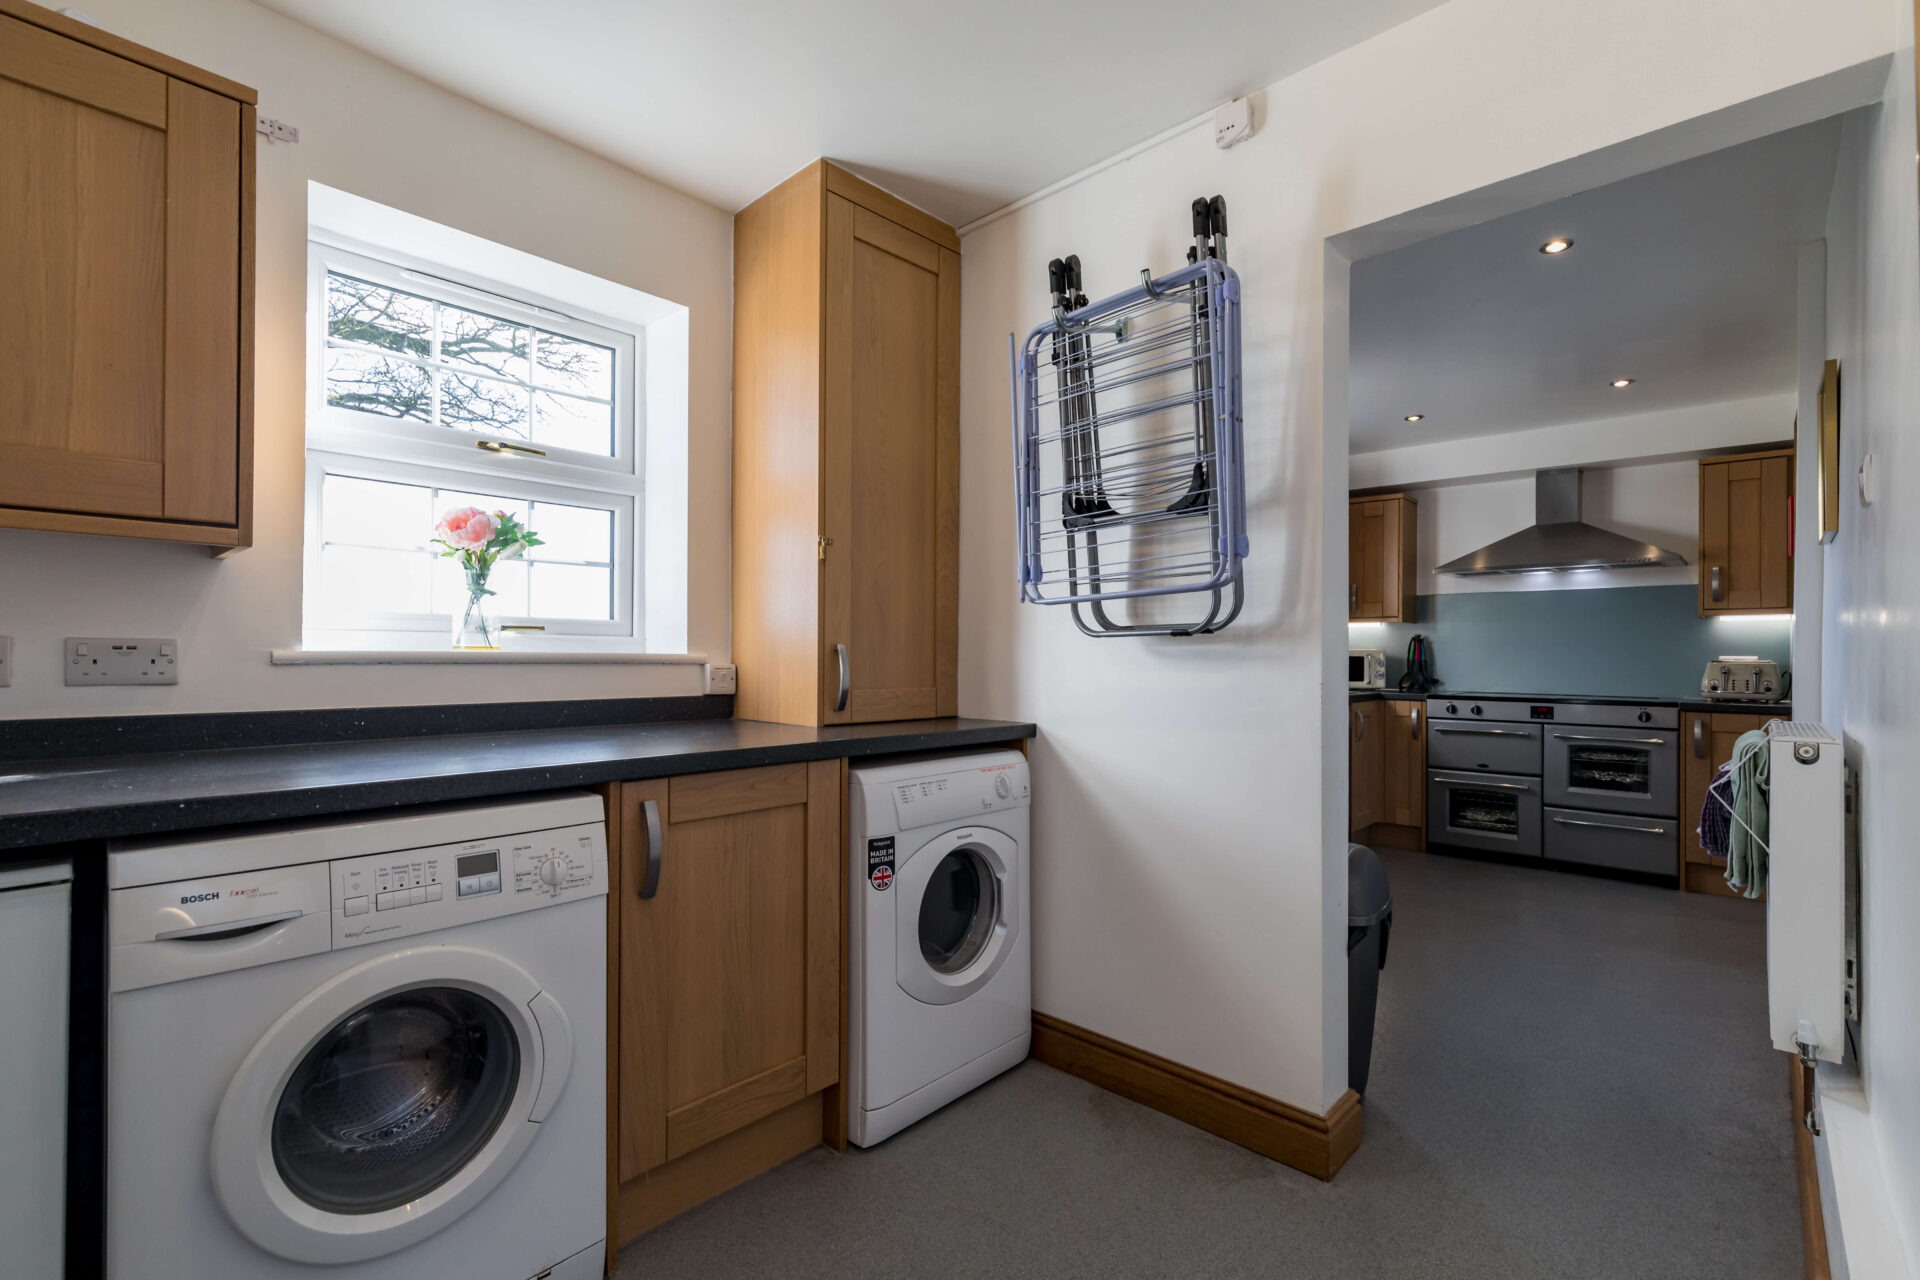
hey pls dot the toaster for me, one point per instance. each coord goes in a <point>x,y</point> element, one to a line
<point>1743,680</point>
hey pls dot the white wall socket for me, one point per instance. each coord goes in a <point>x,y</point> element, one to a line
<point>118,660</point>
<point>720,679</point>
<point>6,661</point>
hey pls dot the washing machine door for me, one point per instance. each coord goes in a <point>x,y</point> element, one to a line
<point>957,914</point>
<point>387,1103</point>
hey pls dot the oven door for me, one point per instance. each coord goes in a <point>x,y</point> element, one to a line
<point>1494,748</point>
<point>1494,813</point>
<point>1609,840</point>
<point>1614,770</point>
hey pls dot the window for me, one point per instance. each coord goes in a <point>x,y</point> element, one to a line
<point>432,389</point>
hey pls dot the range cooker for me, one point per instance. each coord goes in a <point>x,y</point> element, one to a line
<point>1582,782</point>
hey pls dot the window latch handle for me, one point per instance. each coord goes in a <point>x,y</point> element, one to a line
<point>507,446</point>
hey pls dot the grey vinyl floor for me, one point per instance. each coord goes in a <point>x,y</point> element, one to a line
<point>1571,1079</point>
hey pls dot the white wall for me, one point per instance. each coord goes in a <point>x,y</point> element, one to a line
<point>1189,876</point>
<point>370,129</point>
<point>1871,663</point>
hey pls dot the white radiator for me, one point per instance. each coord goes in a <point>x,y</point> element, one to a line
<point>1809,968</point>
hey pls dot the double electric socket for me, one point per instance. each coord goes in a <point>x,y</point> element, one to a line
<point>117,660</point>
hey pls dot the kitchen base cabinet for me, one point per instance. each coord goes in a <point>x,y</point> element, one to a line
<point>1364,758</point>
<point>726,911</point>
<point>1387,773</point>
<point>1706,743</point>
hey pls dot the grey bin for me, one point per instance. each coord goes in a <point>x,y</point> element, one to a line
<point>1369,921</point>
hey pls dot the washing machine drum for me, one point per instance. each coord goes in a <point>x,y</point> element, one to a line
<point>395,1099</point>
<point>956,914</point>
<point>387,1103</point>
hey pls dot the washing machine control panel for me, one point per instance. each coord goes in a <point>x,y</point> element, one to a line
<point>959,794</point>
<point>417,890</point>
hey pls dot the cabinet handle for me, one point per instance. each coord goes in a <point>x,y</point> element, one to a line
<point>1713,589</point>
<point>650,883</point>
<point>846,677</point>
<point>1699,738</point>
<point>1416,722</point>
<point>1353,597</point>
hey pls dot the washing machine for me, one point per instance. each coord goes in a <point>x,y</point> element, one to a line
<point>940,957</point>
<point>363,1049</point>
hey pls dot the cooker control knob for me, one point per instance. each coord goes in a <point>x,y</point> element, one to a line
<point>1452,710</point>
<point>1646,717</point>
<point>552,872</point>
<point>1475,708</point>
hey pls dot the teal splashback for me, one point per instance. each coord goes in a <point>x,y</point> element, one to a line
<point>1636,642</point>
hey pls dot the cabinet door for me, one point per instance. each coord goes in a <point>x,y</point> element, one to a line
<point>1380,538</point>
<point>1706,743</point>
<point>1364,764</point>
<point>730,972</point>
<point>120,192</point>
<point>889,469</point>
<point>1403,772</point>
<point>1745,560</point>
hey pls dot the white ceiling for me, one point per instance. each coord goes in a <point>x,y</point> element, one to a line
<point>1682,279</point>
<point>960,109</point>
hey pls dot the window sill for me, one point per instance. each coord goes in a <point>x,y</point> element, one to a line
<point>477,657</point>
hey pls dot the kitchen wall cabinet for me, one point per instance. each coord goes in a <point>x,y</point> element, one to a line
<point>1746,535</point>
<point>126,194</point>
<point>1381,546</point>
<point>1365,758</point>
<point>726,983</point>
<point>1387,772</point>
<point>845,455</point>
<point>1706,743</point>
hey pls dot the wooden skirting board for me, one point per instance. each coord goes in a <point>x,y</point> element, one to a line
<point>1311,1143</point>
<point>1813,1219</point>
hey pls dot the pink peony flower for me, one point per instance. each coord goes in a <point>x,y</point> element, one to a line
<point>466,528</point>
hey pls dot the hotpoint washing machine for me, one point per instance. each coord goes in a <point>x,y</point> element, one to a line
<point>365,1049</point>
<point>940,961</point>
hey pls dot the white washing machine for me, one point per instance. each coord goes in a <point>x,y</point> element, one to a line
<point>940,960</point>
<point>365,1049</point>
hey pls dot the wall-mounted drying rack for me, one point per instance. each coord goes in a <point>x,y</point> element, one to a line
<point>1129,476</point>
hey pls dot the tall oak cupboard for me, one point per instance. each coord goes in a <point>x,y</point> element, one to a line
<point>126,266</point>
<point>845,455</point>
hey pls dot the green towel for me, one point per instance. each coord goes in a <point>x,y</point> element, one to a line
<point>1747,845</point>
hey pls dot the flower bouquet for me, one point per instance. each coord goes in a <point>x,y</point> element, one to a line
<point>478,540</point>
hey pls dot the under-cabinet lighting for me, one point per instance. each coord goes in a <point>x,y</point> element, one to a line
<point>1751,617</point>
<point>1559,244</point>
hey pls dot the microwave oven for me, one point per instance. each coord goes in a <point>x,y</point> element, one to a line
<point>1366,669</point>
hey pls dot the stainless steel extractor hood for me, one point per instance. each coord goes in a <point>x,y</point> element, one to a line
<point>1559,538</point>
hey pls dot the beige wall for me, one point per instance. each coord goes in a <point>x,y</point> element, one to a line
<point>1190,794</point>
<point>370,129</point>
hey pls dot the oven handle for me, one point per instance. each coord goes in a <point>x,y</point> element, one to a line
<point>1507,786</point>
<point>1609,826</point>
<point>1484,733</point>
<point>1601,737</point>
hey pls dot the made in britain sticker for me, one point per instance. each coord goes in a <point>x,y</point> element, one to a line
<point>880,862</point>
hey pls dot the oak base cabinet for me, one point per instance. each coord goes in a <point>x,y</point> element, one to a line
<point>1706,743</point>
<point>726,910</point>
<point>1387,772</point>
<point>126,270</point>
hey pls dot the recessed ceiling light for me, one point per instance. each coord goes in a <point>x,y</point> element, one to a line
<point>1415,417</point>
<point>1618,383</point>
<point>1559,244</point>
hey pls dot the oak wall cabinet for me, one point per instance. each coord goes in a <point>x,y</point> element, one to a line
<point>725,982</point>
<point>126,266</point>
<point>1381,542</point>
<point>1746,535</point>
<point>846,452</point>
<point>1706,743</point>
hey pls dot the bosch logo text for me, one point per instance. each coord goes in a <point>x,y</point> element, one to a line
<point>199,897</point>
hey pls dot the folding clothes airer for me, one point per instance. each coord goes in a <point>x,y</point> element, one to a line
<point>1141,490</point>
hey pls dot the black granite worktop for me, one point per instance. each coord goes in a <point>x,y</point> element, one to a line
<point>50,800</point>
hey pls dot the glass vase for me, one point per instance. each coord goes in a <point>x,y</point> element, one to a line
<point>477,625</point>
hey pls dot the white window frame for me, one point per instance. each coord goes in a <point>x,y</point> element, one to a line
<point>374,447</point>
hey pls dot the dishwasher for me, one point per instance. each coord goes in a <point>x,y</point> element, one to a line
<point>36,915</point>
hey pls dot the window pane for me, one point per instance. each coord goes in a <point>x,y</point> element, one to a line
<point>369,383</point>
<point>378,316</point>
<point>375,512</point>
<point>566,423</point>
<point>355,581</point>
<point>567,364</point>
<point>572,591</point>
<point>507,581</point>
<point>491,343</point>
<point>480,404</point>
<point>572,533</point>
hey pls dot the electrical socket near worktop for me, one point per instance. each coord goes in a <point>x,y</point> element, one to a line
<point>6,661</point>
<point>118,660</point>
<point>720,678</point>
